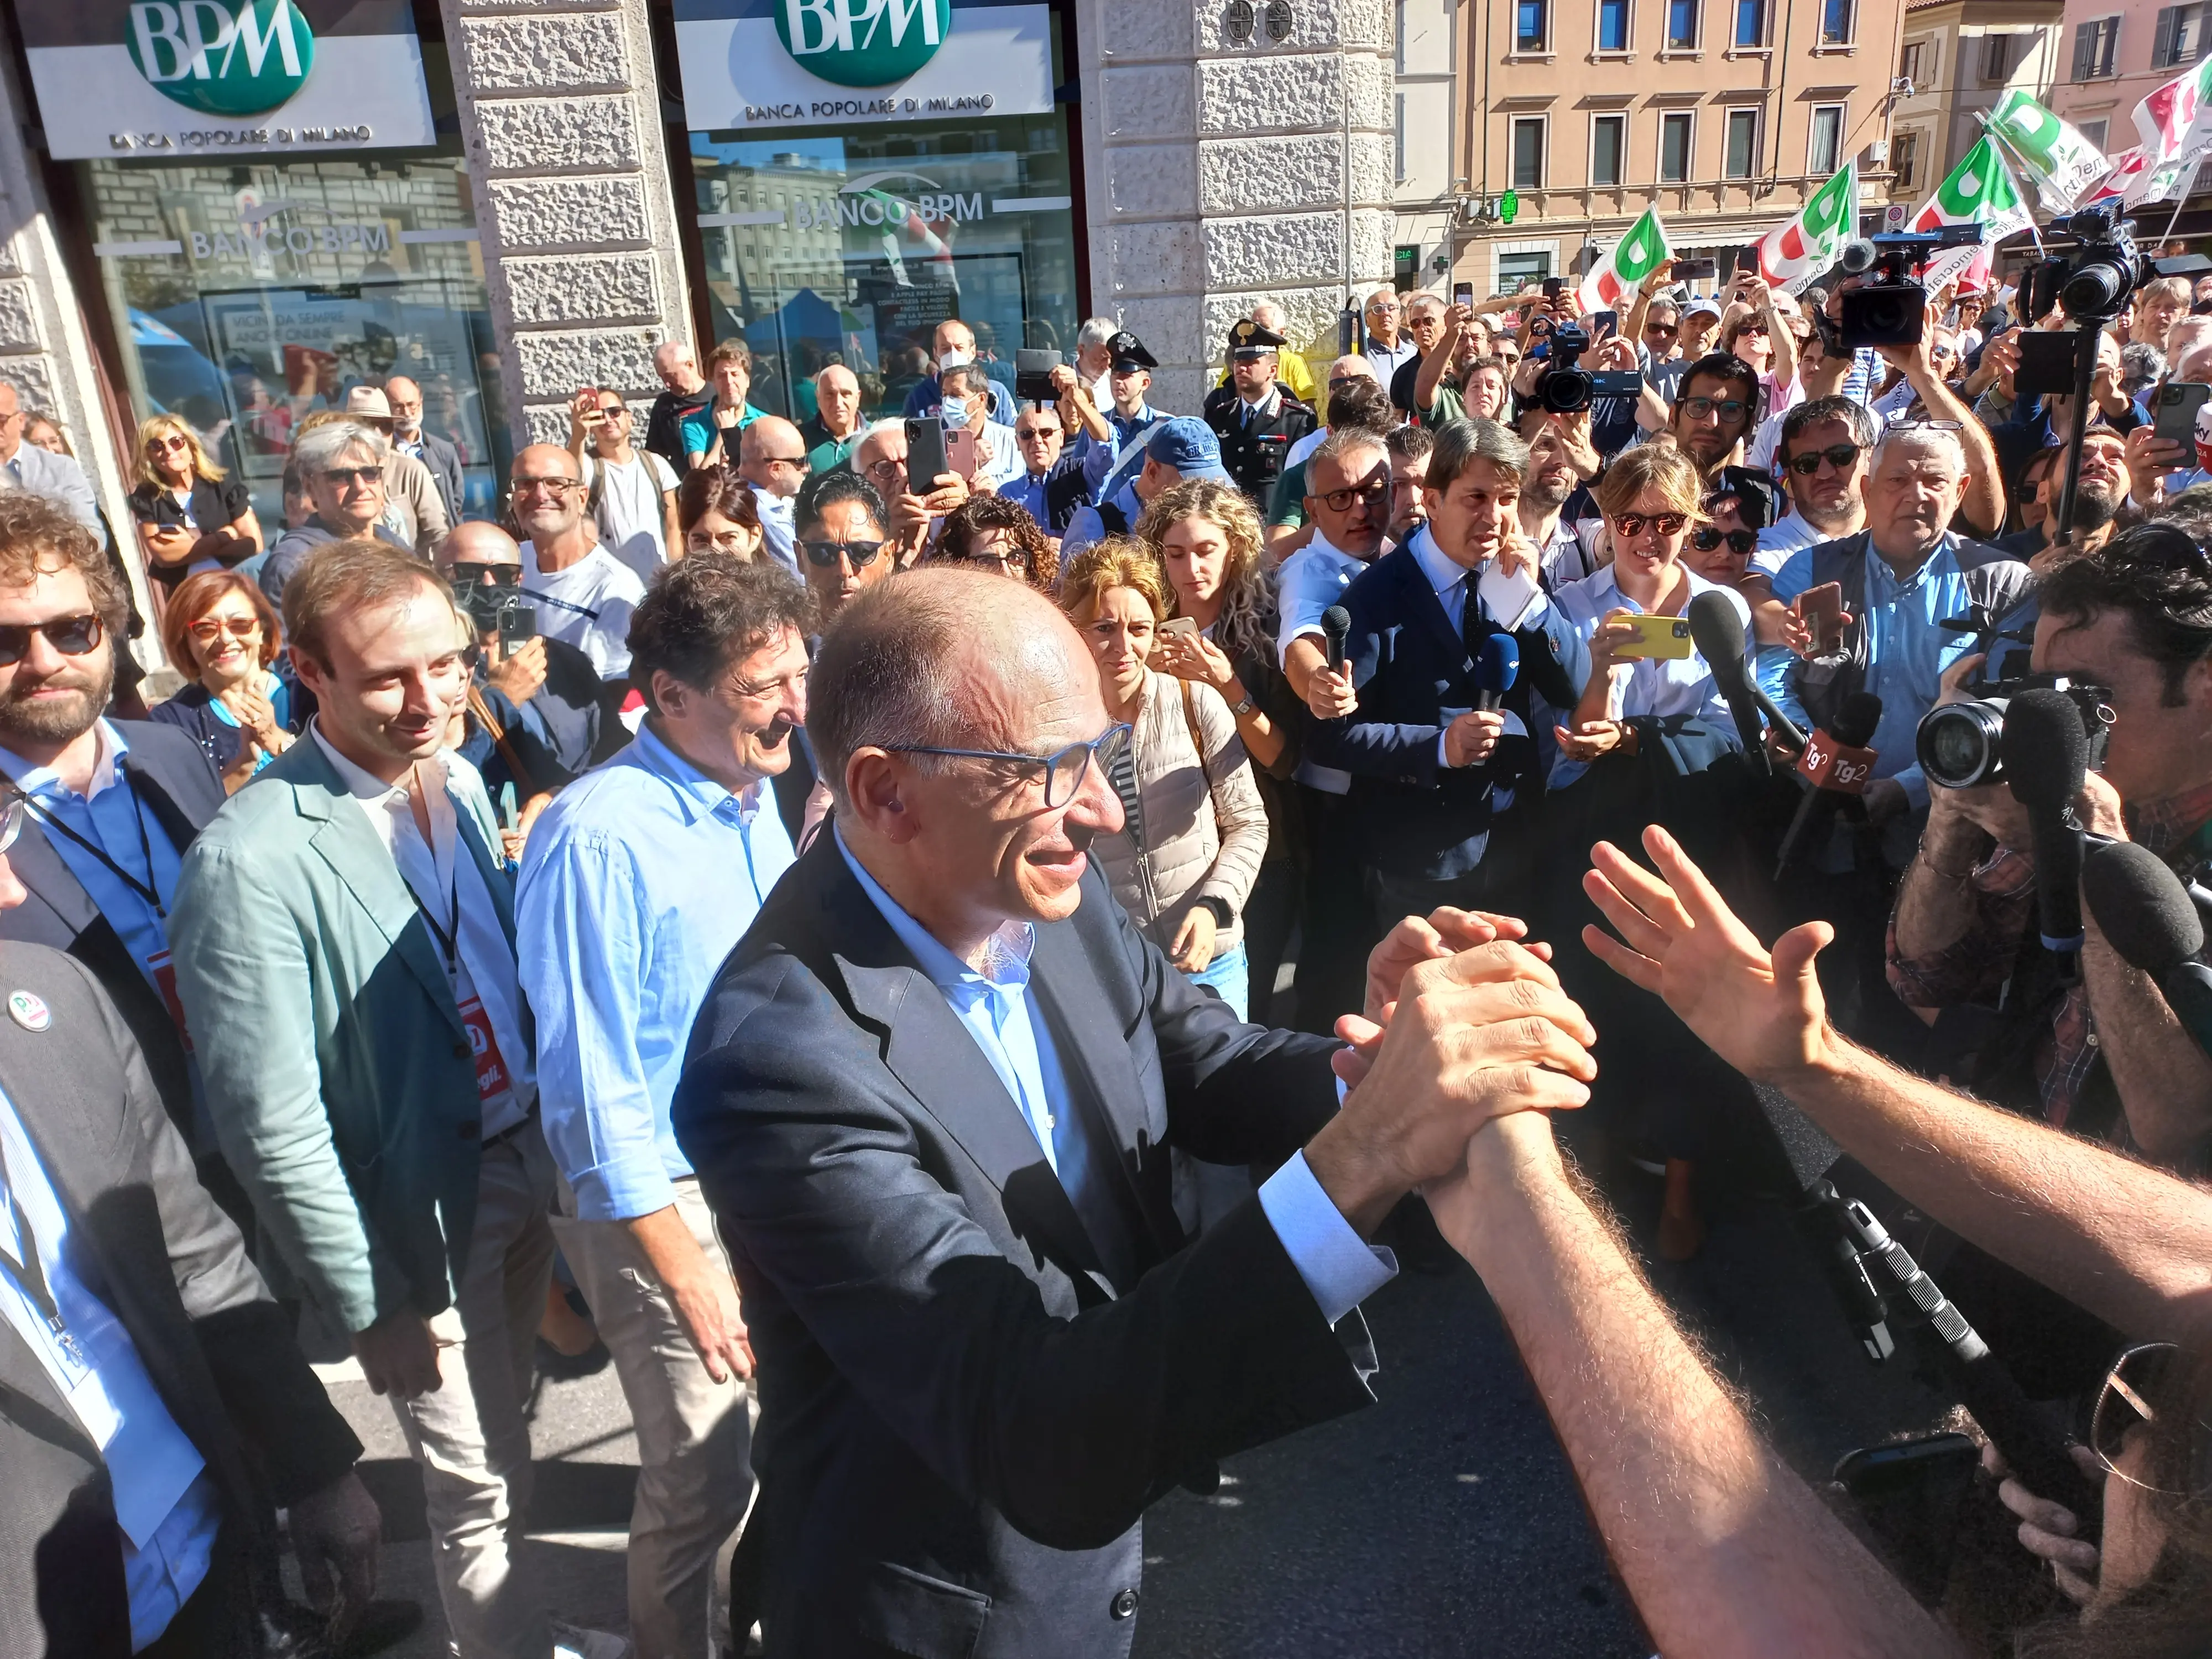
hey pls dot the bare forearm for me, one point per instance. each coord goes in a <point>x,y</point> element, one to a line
<point>1937,903</point>
<point>2127,1242</point>
<point>1723,1549</point>
<point>1984,502</point>
<point>669,1246</point>
<point>2164,1078</point>
<point>1432,372</point>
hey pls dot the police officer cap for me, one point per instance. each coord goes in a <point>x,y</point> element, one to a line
<point>1128,353</point>
<point>1249,339</point>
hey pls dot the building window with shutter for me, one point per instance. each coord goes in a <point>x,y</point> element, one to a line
<point>1905,157</point>
<point>2001,55</point>
<point>2096,45</point>
<point>1909,64</point>
<point>1824,152</point>
<point>1742,160</point>
<point>1532,28</point>
<point>1681,25</point>
<point>1528,152</point>
<point>1613,25</point>
<point>2181,35</point>
<point>1674,147</point>
<point>1608,148</point>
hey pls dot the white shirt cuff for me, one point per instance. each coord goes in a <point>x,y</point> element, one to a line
<point>1443,765</point>
<point>1340,1268</point>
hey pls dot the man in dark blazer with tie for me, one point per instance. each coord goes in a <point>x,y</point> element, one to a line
<point>154,1407</point>
<point>1437,768</point>
<point>931,1098</point>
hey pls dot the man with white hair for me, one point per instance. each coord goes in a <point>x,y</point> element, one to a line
<point>341,467</point>
<point>26,466</point>
<point>685,393</point>
<point>1901,576</point>
<point>1094,356</point>
<point>833,431</point>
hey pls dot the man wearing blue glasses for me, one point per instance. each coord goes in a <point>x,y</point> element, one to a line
<point>930,1099</point>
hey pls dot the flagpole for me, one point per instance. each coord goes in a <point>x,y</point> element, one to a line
<point>2180,197</point>
<point>2006,155</point>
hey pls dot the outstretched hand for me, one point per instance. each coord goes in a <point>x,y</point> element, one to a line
<point>1762,1013</point>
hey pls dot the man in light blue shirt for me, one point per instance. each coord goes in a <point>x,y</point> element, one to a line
<point>635,884</point>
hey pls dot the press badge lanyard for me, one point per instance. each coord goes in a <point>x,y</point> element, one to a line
<point>145,848</point>
<point>448,937</point>
<point>30,1273</point>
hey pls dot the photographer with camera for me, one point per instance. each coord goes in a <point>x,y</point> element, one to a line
<point>2103,1056</point>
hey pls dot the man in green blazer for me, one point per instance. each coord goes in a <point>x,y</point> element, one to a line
<point>345,942</point>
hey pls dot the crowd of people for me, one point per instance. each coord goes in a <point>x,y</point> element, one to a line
<point>964,982</point>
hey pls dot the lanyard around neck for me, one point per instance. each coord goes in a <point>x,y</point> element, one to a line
<point>149,893</point>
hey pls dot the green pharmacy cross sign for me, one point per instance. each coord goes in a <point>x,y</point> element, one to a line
<point>1509,206</point>
<point>863,43</point>
<point>222,57</point>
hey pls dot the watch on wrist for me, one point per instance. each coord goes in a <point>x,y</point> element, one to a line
<point>1242,706</point>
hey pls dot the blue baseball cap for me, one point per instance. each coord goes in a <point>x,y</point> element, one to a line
<point>1189,446</point>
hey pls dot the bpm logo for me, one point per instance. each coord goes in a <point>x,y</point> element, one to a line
<point>222,57</point>
<point>863,43</point>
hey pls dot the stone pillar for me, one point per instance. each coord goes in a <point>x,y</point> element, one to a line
<point>561,112</point>
<point>1219,174</point>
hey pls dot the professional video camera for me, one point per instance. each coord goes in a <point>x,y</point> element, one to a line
<point>1960,743</point>
<point>1891,308</point>
<point>497,606</point>
<point>1565,389</point>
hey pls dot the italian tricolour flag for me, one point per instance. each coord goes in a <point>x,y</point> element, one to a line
<point>1807,243</point>
<point>1632,259</point>
<point>1981,190</point>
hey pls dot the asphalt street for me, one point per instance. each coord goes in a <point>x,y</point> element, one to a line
<point>1442,1520</point>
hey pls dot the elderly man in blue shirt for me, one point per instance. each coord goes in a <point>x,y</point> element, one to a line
<point>635,883</point>
<point>1902,577</point>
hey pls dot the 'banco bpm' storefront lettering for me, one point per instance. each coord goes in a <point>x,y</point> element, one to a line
<point>877,208</point>
<point>222,57</point>
<point>249,241</point>
<point>863,43</point>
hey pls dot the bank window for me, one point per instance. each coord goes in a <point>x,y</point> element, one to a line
<point>1838,20</point>
<point>2096,43</point>
<point>1905,158</point>
<point>1824,152</point>
<point>1613,25</point>
<point>1528,152</point>
<point>1532,26</point>
<point>1741,160</point>
<point>1514,271</point>
<point>1681,25</point>
<point>1608,147</point>
<point>1674,142</point>
<point>1751,23</point>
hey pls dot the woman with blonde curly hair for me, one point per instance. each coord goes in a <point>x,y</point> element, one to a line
<point>192,516</point>
<point>1221,633</point>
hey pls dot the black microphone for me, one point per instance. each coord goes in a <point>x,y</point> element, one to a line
<point>1497,665</point>
<point>1718,632</point>
<point>2147,916</point>
<point>2046,753</point>
<point>1856,722</point>
<point>1335,629</point>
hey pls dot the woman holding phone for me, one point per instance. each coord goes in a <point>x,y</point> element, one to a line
<point>1638,749</point>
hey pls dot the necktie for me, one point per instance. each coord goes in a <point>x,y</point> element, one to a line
<point>1472,629</point>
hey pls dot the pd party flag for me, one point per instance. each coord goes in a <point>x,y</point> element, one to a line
<point>1981,190</point>
<point>1807,243</point>
<point>1632,258</point>
<point>2175,122</point>
<point>2058,159</point>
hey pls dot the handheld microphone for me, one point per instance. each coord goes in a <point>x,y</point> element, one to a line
<point>2046,753</point>
<point>1335,629</point>
<point>2147,916</point>
<point>1839,765</point>
<point>1718,632</point>
<point>1496,667</point>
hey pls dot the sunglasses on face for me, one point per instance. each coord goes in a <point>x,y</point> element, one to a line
<point>1036,433</point>
<point>162,446</point>
<point>11,821</point>
<point>1728,408</point>
<point>1743,329</point>
<point>1842,457</point>
<point>2140,1375</point>
<point>346,476</point>
<point>825,554</point>
<point>1706,538</point>
<point>1668,329</point>
<point>73,636</point>
<point>1663,523</point>
<point>238,628</point>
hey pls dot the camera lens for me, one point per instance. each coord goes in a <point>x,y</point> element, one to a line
<point>1565,391</point>
<point>2096,289</point>
<point>1957,744</point>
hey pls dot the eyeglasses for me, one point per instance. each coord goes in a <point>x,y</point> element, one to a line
<point>887,471</point>
<point>722,541</point>
<point>1668,329</point>
<point>1901,421</point>
<point>1340,500</point>
<point>161,445</point>
<point>1064,769</point>
<point>73,636</point>
<point>1665,523</point>
<point>238,628</point>
<point>1728,408</point>
<point>2139,1375</point>
<point>825,554</point>
<point>1842,457</point>
<point>1706,538</point>
<point>470,574</point>
<point>1035,434</point>
<point>798,462</point>
<point>353,475</point>
<point>11,821</point>
<point>551,486</point>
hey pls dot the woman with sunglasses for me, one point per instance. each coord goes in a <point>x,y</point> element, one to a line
<point>192,516</point>
<point>1650,722</point>
<point>997,534</point>
<point>219,629</point>
<point>715,514</point>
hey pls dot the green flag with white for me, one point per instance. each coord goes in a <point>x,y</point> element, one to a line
<point>1807,243</point>
<point>1981,190</point>
<point>1629,261</point>
<point>2052,155</point>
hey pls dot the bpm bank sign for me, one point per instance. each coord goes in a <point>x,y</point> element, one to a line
<point>751,64</point>
<point>224,77</point>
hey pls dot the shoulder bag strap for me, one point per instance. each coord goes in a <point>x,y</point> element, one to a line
<point>481,708</point>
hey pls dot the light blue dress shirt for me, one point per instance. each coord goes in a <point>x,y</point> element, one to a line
<point>1100,458</point>
<point>1655,686</point>
<point>1087,528</point>
<point>166,1505</point>
<point>1339,1267</point>
<point>1907,650</point>
<point>641,877</point>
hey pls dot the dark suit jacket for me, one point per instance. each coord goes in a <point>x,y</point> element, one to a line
<point>181,791</point>
<point>445,464</point>
<point>1415,819</point>
<point>172,1269</point>
<point>967,1400</point>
